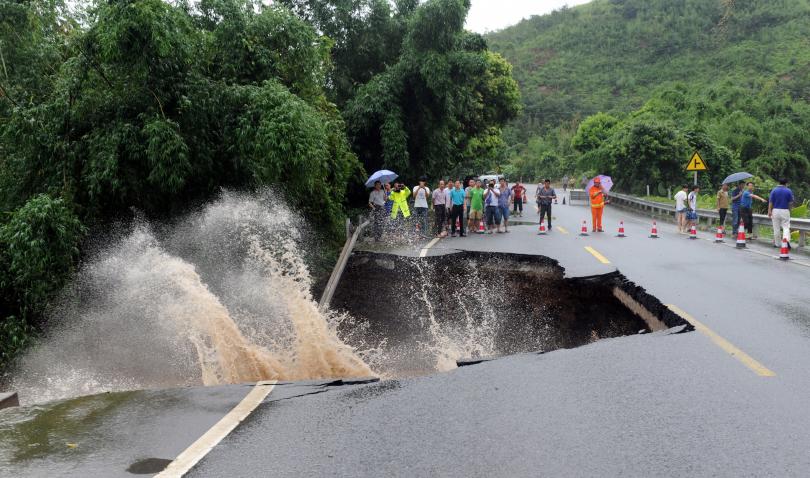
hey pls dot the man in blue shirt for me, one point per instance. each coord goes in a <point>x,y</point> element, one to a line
<point>457,197</point>
<point>747,208</point>
<point>781,199</point>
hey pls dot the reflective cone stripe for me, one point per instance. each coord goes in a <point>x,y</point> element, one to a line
<point>741,235</point>
<point>621,229</point>
<point>654,232</point>
<point>784,252</point>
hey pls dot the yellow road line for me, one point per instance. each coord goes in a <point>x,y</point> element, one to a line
<point>562,229</point>
<point>724,344</point>
<point>186,460</point>
<point>599,257</point>
<point>424,251</point>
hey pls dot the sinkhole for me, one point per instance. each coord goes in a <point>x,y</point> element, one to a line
<point>429,313</point>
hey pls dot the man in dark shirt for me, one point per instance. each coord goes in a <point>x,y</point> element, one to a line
<point>545,195</point>
<point>779,204</point>
<point>736,195</point>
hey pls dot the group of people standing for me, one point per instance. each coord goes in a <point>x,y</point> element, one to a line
<point>741,202</point>
<point>480,206</point>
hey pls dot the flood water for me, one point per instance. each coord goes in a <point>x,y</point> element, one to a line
<point>223,296</point>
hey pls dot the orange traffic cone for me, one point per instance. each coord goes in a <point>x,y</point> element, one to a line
<point>784,252</point>
<point>458,223</point>
<point>720,236</point>
<point>542,231</point>
<point>481,228</point>
<point>693,232</point>
<point>584,229</point>
<point>741,236</point>
<point>621,229</point>
<point>654,231</point>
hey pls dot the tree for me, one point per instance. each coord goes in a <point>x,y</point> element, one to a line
<point>434,109</point>
<point>646,152</point>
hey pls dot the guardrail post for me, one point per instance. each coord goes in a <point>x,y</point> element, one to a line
<point>802,238</point>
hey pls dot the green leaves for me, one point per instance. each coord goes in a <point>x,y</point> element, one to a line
<point>440,108</point>
<point>40,244</point>
<point>167,154</point>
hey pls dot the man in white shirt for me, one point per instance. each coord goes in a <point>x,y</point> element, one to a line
<point>680,208</point>
<point>421,193</point>
<point>440,209</point>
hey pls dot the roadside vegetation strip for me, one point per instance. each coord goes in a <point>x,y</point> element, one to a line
<point>192,455</point>
<point>724,344</point>
<point>599,257</point>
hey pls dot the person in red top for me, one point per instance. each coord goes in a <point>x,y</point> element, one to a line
<point>518,198</point>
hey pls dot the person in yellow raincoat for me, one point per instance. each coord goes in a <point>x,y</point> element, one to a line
<point>597,195</point>
<point>399,195</point>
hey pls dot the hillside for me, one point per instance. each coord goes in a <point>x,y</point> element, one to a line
<point>718,57</point>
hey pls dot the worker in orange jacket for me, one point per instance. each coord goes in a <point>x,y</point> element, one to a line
<point>598,200</point>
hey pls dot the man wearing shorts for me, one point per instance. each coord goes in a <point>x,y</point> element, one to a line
<point>680,208</point>
<point>491,196</point>
<point>476,213</point>
<point>503,205</point>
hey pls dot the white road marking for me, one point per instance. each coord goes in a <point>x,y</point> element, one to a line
<point>430,244</point>
<point>186,460</point>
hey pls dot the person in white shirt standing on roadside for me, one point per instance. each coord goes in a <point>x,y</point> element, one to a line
<point>680,208</point>
<point>421,193</point>
<point>779,204</point>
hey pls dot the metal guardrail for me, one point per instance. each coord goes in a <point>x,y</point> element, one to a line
<point>709,215</point>
<point>343,259</point>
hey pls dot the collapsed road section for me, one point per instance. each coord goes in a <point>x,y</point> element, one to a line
<point>428,313</point>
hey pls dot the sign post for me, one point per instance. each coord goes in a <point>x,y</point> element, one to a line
<point>696,164</point>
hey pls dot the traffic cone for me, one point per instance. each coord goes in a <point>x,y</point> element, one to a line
<point>720,236</point>
<point>542,231</point>
<point>584,229</point>
<point>784,252</point>
<point>654,231</point>
<point>741,236</point>
<point>693,232</point>
<point>458,224</point>
<point>481,228</point>
<point>621,229</point>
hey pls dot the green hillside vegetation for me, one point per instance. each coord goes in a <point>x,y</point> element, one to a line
<point>730,78</point>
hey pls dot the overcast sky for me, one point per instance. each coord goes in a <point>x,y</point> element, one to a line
<point>490,15</point>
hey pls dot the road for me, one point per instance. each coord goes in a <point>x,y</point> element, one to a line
<point>726,400</point>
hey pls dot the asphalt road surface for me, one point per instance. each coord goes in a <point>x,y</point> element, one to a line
<point>729,399</point>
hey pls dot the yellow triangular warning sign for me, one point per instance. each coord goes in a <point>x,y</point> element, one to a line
<point>696,163</point>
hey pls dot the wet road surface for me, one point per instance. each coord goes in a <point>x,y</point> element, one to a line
<point>648,405</point>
